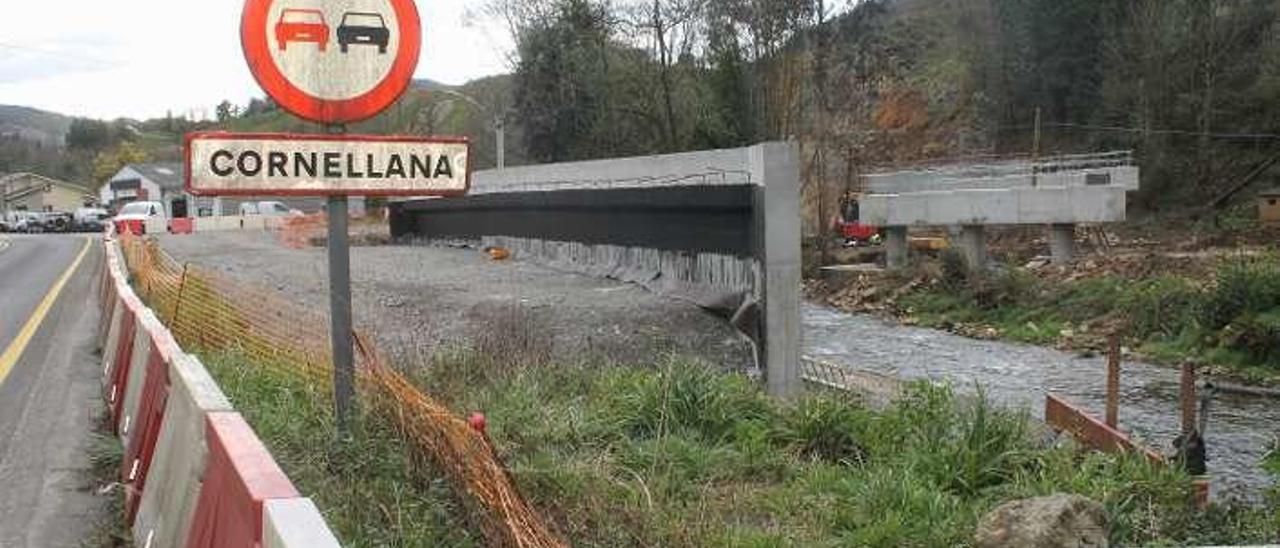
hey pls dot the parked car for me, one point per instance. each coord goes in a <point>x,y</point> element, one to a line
<point>133,217</point>
<point>267,209</point>
<point>55,221</point>
<point>363,28</point>
<point>90,219</point>
<point>20,221</point>
<point>302,25</point>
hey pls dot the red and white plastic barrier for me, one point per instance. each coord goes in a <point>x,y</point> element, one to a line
<point>196,475</point>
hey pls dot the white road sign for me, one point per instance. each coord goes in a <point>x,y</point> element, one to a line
<point>326,165</point>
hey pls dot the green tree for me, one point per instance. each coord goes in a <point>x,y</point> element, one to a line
<point>226,111</point>
<point>88,134</point>
<point>110,162</point>
<point>560,87</point>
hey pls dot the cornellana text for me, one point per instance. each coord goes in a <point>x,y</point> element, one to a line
<point>330,165</point>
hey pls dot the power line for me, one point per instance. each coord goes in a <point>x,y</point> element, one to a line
<point>1089,127</point>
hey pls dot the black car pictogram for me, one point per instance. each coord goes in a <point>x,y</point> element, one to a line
<point>363,28</point>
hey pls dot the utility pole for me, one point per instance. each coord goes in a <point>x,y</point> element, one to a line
<point>500,126</point>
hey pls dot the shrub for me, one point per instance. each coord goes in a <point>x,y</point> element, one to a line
<point>825,428</point>
<point>1242,286</point>
<point>1258,335</point>
<point>965,449</point>
<point>1165,306</point>
<point>682,396</point>
<point>1006,288</point>
<point>955,271</point>
<point>895,507</point>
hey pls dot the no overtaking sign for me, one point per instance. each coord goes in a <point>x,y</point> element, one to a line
<point>332,61</point>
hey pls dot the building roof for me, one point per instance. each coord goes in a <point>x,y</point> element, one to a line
<point>14,193</point>
<point>6,180</point>
<point>1270,193</point>
<point>168,176</point>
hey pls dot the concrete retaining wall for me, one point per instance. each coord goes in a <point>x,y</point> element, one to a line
<point>166,471</point>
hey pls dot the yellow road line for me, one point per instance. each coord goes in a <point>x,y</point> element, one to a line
<point>19,344</point>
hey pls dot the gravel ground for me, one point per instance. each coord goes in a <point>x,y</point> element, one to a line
<point>415,298</point>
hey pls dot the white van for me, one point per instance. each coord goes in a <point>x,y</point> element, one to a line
<point>141,217</point>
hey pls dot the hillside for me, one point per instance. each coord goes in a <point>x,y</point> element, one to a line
<point>427,108</point>
<point>35,125</point>
<point>33,140</point>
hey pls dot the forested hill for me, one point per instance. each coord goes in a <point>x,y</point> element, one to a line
<point>90,151</point>
<point>1191,85</point>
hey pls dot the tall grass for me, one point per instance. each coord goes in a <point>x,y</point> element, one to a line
<point>679,454</point>
<point>371,489</point>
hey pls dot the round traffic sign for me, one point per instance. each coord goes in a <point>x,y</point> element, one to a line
<point>332,61</point>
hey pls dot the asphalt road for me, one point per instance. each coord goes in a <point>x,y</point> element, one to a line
<point>48,390</point>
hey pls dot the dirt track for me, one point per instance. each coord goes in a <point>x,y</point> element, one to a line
<point>415,298</point>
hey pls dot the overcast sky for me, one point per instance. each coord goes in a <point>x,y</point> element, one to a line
<point>142,58</point>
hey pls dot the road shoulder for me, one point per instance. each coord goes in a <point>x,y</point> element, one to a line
<point>53,396</point>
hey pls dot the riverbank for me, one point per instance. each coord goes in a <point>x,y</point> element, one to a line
<point>1219,309</point>
<point>678,453</point>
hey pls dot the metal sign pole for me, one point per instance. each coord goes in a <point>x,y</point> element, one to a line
<point>340,308</point>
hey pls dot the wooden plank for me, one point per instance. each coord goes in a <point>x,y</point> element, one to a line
<point>1091,431</point>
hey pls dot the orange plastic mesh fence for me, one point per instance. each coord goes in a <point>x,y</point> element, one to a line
<point>213,313</point>
<point>296,232</point>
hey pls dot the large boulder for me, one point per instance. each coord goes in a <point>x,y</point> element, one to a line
<point>1055,521</point>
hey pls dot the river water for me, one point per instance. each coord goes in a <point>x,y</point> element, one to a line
<point>1018,375</point>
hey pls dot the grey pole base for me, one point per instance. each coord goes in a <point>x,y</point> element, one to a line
<point>897,251</point>
<point>1062,243</point>
<point>973,243</point>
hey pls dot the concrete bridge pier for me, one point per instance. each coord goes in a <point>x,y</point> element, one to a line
<point>896,247</point>
<point>1062,242</point>
<point>973,243</point>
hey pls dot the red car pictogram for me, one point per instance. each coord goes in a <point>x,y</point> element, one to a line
<point>299,25</point>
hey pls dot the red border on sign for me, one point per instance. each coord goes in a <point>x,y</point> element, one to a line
<point>226,136</point>
<point>253,39</point>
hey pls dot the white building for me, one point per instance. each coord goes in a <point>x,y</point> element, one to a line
<point>157,183</point>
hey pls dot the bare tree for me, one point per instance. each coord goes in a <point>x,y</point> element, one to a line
<point>672,32</point>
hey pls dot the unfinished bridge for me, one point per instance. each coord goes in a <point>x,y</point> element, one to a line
<point>1059,192</point>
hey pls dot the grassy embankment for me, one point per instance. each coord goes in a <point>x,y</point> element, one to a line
<point>1230,320</point>
<point>680,455</point>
